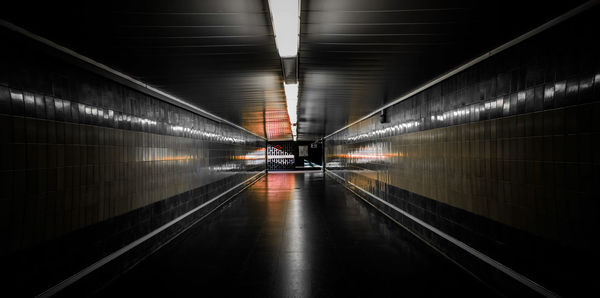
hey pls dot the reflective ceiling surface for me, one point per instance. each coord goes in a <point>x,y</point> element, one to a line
<point>219,55</point>
<point>357,55</point>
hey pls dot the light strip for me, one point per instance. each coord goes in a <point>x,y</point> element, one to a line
<point>499,266</point>
<point>286,26</point>
<point>291,98</point>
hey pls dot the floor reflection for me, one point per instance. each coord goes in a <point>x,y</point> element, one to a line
<point>296,235</point>
<point>292,258</point>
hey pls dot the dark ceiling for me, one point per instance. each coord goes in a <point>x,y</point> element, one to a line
<point>354,56</point>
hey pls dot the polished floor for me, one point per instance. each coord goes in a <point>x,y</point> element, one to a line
<point>296,235</point>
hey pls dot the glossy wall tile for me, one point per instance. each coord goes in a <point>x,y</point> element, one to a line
<point>507,145</point>
<point>83,153</point>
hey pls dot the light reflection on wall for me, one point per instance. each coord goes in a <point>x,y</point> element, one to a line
<point>392,130</point>
<point>208,135</point>
<point>196,127</point>
<point>124,158</point>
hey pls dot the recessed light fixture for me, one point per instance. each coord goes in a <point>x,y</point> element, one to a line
<point>286,26</point>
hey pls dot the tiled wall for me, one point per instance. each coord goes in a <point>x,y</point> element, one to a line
<point>503,156</point>
<point>83,153</point>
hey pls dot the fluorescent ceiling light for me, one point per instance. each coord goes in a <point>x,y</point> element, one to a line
<point>286,26</point>
<point>291,98</point>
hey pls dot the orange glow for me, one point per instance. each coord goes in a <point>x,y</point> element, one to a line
<point>169,158</point>
<point>255,155</point>
<point>288,156</point>
<point>278,124</point>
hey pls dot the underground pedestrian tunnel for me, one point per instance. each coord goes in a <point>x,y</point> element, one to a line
<point>299,148</point>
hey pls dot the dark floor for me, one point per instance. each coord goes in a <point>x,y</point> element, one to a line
<point>297,235</point>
